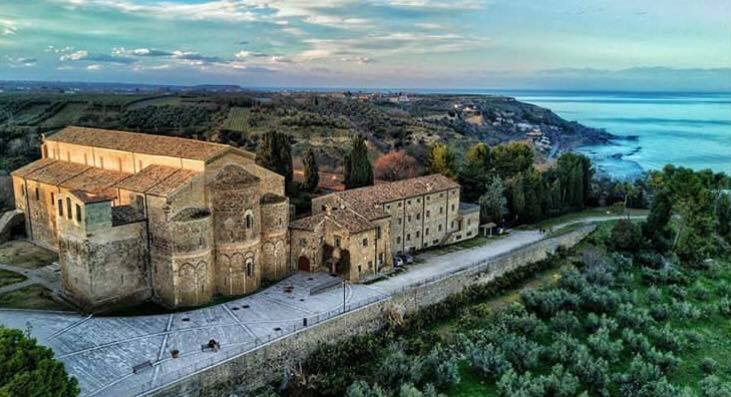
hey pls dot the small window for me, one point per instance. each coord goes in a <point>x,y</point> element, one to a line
<point>439,228</point>
<point>428,198</point>
<point>337,241</point>
<point>399,221</point>
<point>38,194</point>
<point>418,216</point>
<point>78,213</point>
<point>398,240</point>
<point>418,200</point>
<point>60,207</point>
<point>417,234</point>
<point>441,210</point>
<point>249,221</point>
<point>408,218</point>
<point>365,242</point>
<point>452,207</point>
<point>249,267</point>
<point>388,206</point>
<point>428,213</point>
<point>452,225</point>
<point>399,204</point>
<point>359,269</point>
<point>441,195</point>
<point>408,202</point>
<point>53,199</point>
<point>408,237</point>
<point>68,207</point>
<point>426,232</point>
<point>378,232</point>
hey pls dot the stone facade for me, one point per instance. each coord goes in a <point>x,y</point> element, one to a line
<point>137,216</point>
<point>270,362</point>
<point>403,217</point>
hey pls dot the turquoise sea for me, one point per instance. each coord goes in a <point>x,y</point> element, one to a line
<point>687,129</point>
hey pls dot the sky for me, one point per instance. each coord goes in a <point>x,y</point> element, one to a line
<point>655,45</point>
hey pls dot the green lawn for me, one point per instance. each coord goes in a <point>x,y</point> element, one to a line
<point>30,297</point>
<point>7,278</point>
<point>24,254</point>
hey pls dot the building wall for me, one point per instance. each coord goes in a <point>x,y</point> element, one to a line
<point>192,261</point>
<point>470,223</point>
<point>34,199</point>
<point>274,240</point>
<point>268,363</point>
<point>305,249</point>
<point>106,267</point>
<point>362,254</point>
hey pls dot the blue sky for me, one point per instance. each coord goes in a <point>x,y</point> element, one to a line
<point>570,44</point>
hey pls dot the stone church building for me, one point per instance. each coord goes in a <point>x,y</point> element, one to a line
<point>136,217</point>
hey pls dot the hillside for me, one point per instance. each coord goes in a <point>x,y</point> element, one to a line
<point>323,120</point>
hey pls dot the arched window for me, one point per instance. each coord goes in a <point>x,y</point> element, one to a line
<point>249,221</point>
<point>249,267</point>
<point>60,207</point>
<point>68,207</point>
<point>78,213</point>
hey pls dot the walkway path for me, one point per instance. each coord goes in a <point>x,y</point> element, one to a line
<point>101,351</point>
<point>46,276</point>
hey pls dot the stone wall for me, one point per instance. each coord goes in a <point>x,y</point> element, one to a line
<point>267,364</point>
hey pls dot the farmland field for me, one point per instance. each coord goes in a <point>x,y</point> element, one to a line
<point>237,119</point>
<point>68,114</point>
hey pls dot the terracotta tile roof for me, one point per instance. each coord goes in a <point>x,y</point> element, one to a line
<point>271,198</point>
<point>88,198</point>
<point>172,183</point>
<point>346,218</point>
<point>233,175</point>
<point>30,167</point>
<point>139,143</point>
<point>147,178</point>
<point>368,200</point>
<point>95,180</point>
<point>57,172</point>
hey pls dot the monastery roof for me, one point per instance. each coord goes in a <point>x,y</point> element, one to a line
<point>30,167</point>
<point>271,198</point>
<point>94,180</point>
<point>158,145</point>
<point>367,200</point>
<point>89,198</point>
<point>56,172</point>
<point>172,183</point>
<point>346,218</point>
<point>147,178</point>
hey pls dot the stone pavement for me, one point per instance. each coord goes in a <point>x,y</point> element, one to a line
<point>102,351</point>
<point>47,276</point>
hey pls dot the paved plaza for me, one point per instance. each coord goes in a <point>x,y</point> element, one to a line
<point>102,352</point>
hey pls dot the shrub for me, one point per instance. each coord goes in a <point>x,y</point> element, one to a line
<point>654,294</point>
<point>566,349</point>
<point>724,307</point>
<point>711,386</point>
<point>593,372</point>
<point>440,368</point>
<point>602,344</point>
<point>599,299</point>
<point>708,365</point>
<point>397,368</point>
<point>636,341</point>
<point>548,302</point>
<point>565,322</point>
<point>644,379</point>
<point>667,338</point>
<point>512,384</point>
<point>660,312</point>
<point>489,360</point>
<point>666,361</point>
<point>560,382</point>
<point>626,236</point>
<point>633,317</point>
<point>362,389</point>
<point>521,352</point>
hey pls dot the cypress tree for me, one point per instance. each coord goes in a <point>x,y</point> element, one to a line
<point>312,176</point>
<point>275,153</point>
<point>357,168</point>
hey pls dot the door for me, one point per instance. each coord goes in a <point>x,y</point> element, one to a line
<point>303,264</point>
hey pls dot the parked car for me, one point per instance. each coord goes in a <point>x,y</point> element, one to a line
<point>408,259</point>
<point>397,261</point>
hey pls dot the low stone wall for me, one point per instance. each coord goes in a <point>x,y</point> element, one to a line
<point>268,363</point>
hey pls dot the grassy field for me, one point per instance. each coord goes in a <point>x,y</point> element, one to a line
<point>7,278</point>
<point>70,112</point>
<point>24,254</point>
<point>237,120</point>
<point>31,297</point>
<point>160,101</point>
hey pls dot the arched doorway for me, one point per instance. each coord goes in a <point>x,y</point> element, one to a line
<point>303,264</point>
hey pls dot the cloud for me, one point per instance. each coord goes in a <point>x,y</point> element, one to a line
<point>84,55</point>
<point>194,57</point>
<point>140,52</point>
<point>94,67</point>
<point>20,62</point>
<point>8,27</point>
